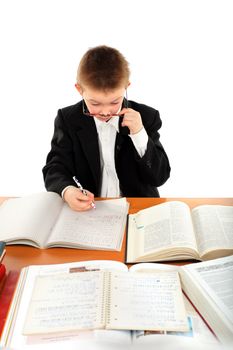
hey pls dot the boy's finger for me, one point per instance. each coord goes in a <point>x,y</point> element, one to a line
<point>123,111</point>
<point>81,205</point>
<point>83,197</point>
<point>90,194</point>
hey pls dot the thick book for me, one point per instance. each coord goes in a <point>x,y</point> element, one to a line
<point>209,285</point>
<point>172,231</point>
<point>44,220</point>
<point>71,297</point>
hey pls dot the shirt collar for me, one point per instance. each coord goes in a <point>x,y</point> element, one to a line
<point>114,121</point>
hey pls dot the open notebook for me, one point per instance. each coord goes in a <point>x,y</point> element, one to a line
<point>44,220</point>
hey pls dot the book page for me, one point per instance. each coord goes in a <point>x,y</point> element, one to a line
<point>216,278</point>
<point>30,217</point>
<point>213,227</point>
<point>158,227</point>
<point>100,228</point>
<point>146,301</point>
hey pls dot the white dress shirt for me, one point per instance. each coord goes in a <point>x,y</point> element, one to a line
<point>107,132</point>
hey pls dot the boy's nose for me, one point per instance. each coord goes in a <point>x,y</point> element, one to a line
<point>105,112</point>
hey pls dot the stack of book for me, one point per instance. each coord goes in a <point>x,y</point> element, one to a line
<point>97,301</point>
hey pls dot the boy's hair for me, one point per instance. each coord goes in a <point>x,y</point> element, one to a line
<point>103,68</point>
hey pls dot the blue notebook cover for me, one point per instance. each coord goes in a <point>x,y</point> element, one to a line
<point>2,250</point>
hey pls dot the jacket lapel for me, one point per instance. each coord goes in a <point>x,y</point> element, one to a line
<point>120,137</point>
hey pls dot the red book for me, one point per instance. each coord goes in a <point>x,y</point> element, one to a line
<point>6,294</point>
<point>2,271</point>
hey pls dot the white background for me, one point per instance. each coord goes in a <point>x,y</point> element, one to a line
<point>181,59</point>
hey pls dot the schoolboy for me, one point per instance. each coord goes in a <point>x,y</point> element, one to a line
<point>109,143</point>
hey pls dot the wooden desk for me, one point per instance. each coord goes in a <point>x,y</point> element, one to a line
<point>19,256</point>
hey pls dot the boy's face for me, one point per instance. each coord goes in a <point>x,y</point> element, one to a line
<point>102,102</point>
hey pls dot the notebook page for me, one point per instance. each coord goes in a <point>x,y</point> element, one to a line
<point>29,217</point>
<point>65,302</point>
<point>100,228</point>
<point>151,301</point>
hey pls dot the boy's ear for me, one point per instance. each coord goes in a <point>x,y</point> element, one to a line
<point>129,83</point>
<point>78,87</point>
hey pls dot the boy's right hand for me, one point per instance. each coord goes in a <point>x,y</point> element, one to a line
<point>77,200</point>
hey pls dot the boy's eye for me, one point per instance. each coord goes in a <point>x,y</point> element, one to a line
<point>95,104</point>
<point>114,103</point>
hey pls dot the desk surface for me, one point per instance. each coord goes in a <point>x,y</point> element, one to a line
<point>20,256</point>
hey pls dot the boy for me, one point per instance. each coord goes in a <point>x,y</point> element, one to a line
<point>111,145</point>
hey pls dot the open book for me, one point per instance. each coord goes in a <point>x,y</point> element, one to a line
<point>44,220</point>
<point>171,231</point>
<point>131,305</point>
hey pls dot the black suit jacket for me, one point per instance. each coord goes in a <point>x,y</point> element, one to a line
<point>75,151</point>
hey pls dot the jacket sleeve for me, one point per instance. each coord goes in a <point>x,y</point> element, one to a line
<point>154,167</point>
<point>59,167</point>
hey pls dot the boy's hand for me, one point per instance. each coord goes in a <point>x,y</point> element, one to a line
<point>132,119</point>
<point>77,200</point>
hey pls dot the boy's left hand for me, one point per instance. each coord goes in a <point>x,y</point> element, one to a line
<point>132,119</point>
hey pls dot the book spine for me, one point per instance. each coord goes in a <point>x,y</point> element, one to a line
<point>2,271</point>
<point>105,299</point>
<point>108,301</point>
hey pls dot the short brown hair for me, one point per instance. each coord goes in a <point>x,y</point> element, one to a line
<point>103,68</point>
